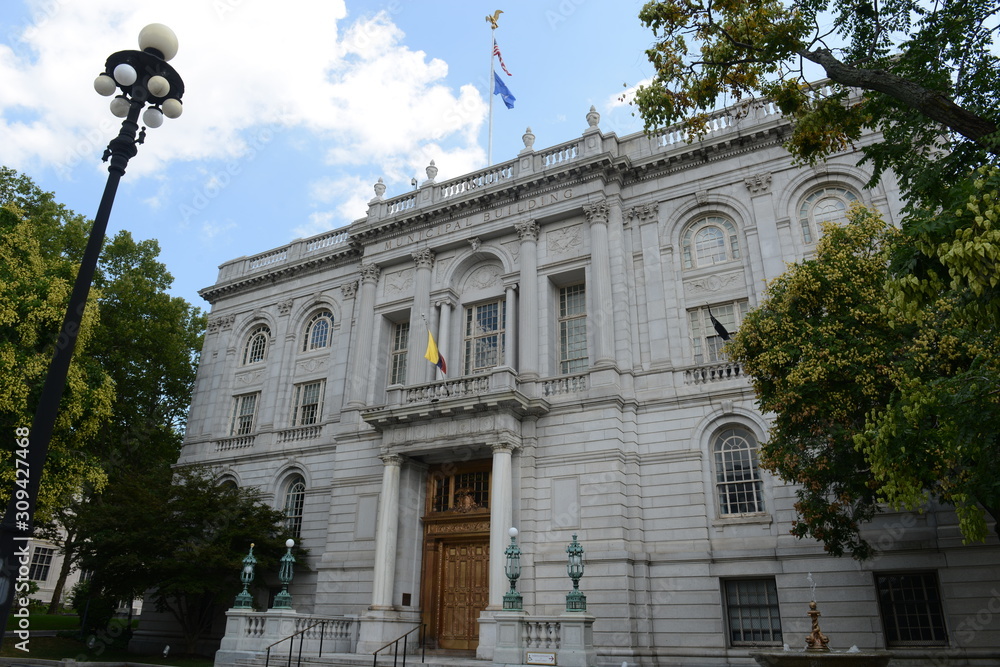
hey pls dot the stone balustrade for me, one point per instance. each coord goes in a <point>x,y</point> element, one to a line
<point>249,634</point>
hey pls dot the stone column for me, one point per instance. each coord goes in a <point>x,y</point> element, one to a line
<point>360,369</point>
<point>444,336</point>
<point>527,331</point>
<point>599,290</point>
<point>418,369</point>
<point>510,346</point>
<point>386,530</point>
<point>501,516</point>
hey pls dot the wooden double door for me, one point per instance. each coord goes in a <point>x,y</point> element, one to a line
<point>460,591</point>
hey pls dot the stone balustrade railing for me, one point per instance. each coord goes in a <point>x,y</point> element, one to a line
<point>713,373</point>
<point>250,633</point>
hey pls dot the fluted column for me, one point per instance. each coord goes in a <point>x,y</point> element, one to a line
<point>600,284</point>
<point>360,369</point>
<point>385,537</point>
<point>501,516</point>
<point>510,348</point>
<point>527,331</point>
<point>418,370</point>
<point>444,335</point>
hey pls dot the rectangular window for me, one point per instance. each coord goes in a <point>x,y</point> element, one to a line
<point>910,603</point>
<point>41,560</point>
<point>484,336</point>
<point>400,344</point>
<point>244,413</point>
<point>308,403</point>
<point>752,612</point>
<point>573,329</point>
<point>706,341</point>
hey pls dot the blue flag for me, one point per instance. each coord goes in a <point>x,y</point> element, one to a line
<point>500,89</point>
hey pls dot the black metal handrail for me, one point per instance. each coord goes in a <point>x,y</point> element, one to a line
<point>395,647</point>
<point>291,643</point>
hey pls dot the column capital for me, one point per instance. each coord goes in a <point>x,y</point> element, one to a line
<point>424,259</point>
<point>597,213</point>
<point>370,273</point>
<point>645,212</point>
<point>444,303</point>
<point>502,447</point>
<point>758,183</point>
<point>391,459</point>
<point>527,230</point>
<point>349,290</point>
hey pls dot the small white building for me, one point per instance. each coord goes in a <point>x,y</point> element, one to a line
<point>586,393</point>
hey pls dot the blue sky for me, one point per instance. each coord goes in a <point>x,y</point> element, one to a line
<point>292,114</point>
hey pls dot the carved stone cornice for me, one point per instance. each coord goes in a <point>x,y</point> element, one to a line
<point>370,274</point>
<point>423,259</point>
<point>527,230</point>
<point>597,213</point>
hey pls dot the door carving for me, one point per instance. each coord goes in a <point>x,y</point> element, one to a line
<point>465,590</point>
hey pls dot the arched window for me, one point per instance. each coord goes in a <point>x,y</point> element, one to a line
<point>256,348</point>
<point>295,498</point>
<point>824,205</point>
<point>737,474</point>
<point>318,331</point>
<point>709,240</point>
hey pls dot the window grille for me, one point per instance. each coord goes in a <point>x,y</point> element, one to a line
<point>573,329</point>
<point>484,336</point>
<point>737,474</point>
<point>752,612</point>
<point>705,340</point>
<point>244,413</point>
<point>825,205</point>
<point>709,240</point>
<point>400,344</point>
<point>256,348</point>
<point>41,561</point>
<point>318,331</point>
<point>295,498</point>
<point>308,403</point>
<point>910,603</point>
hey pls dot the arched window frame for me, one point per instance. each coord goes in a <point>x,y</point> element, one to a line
<point>738,483</point>
<point>294,504</point>
<point>725,248</point>
<point>319,331</point>
<point>255,350</point>
<point>810,219</point>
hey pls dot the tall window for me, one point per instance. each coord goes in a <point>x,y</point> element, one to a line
<point>400,344</point>
<point>318,331</point>
<point>295,499</point>
<point>911,609</point>
<point>484,336</point>
<point>827,204</point>
<point>752,612</point>
<point>708,241</point>
<point>41,560</point>
<point>256,348</point>
<point>244,414</point>
<point>706,340</point>
<point>308,403</point>
<point>572,329</point>
<point>737,476</point>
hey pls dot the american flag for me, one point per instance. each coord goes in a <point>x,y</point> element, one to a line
<point>496,52</point>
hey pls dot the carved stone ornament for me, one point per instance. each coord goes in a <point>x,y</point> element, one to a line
<point>758,183</point>
<point>423,259</point>
<point>529,140</point>
<point>527,230</point>
<point>565,240</point>
<point>432,172</point>
<point>349,290</point>
<point>370,273</point>
<point>379,188</point>
<point>225,323</point>
<point>593,118</point>
<point>597,212</point>
<point>476,243</point>
<point>285,307</point>
<point>644,213</point>
<point>485,277</point>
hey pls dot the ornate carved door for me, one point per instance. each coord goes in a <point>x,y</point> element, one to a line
<point>465,590</point>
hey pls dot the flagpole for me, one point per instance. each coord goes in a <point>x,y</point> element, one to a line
<point>491,91</point>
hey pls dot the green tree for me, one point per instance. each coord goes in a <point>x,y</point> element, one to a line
<point>819,350</point>
<point>182,538</point>
<point>938,434</point>
<point>40,245</point>
<point>928,76</point>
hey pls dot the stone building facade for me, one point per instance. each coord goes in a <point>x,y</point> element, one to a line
<point>587,393</point>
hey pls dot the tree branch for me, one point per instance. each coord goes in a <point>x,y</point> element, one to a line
<point>932,104</point>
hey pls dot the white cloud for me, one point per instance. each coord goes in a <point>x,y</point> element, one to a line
<point>367,97</point>
<point>210,229</point>
<point>625,97</point>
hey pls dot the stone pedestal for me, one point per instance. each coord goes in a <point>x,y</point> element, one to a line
<point>507,628</point>
<point>382,626</point>
<point>249,632</point>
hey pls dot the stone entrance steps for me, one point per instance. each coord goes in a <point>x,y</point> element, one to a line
<point>432,659</point>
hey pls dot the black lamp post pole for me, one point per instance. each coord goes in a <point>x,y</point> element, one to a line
<point>31,447</point>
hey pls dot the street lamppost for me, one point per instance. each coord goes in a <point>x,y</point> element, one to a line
<point>283,600</point>
<point>143,80</point>
<point>575,599</point>
<point>512,599</point>
<point>244,600</point>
